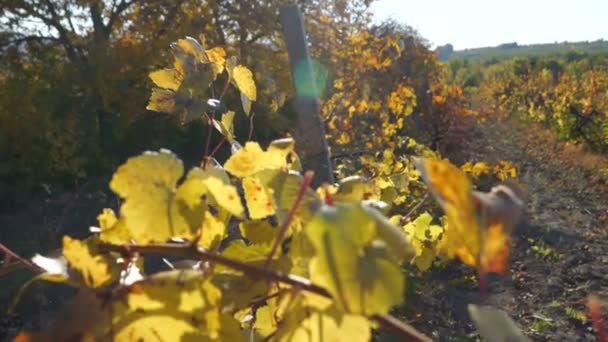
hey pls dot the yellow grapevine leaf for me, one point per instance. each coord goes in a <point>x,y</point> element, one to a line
<point>504,170</point>
<point>113,230</point>
<point>107,219</point>
<point>259,199</point>
<point>147,183</point>
<point>217,184</point>
<point>171,306</point>
<point>253,254</point>
<point>396,242</point>
<point>243,78</point>
<point>247,161</point>
<point>452,189</point>
<point>251,159</point>
<point>153,210</point>
<point>213,231</point>
<point>419,227</point>
<point>424,237</point>
<point>97,270</point>
<point>217,56</point>
<point>352,261</point>
<point>483,244</point>
<point>166,78</point>
<point>246,103</point>
<point>355,189</point>
<point>191,47</point>
<point>230,65</point>
<point>258,231</point>
<point>227,126</point>
<point>283,154</point>
<point>161,100</point>
<point>425,259</point>
<point>301,251</point>
<point>239,292</point>
<point>193,66</point>
<point>285,186</point>
<point>477,169</point>
<point>300,319</point>
<point>220,194</point>
<point>265,321</point>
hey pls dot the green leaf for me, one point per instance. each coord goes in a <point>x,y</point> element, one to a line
<point>353,261</point>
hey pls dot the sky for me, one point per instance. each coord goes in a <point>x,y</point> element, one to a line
<point>479,23</point>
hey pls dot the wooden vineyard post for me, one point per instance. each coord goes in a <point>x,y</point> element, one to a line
<point>309,133</point>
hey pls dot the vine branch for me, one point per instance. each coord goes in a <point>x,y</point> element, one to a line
<point>405,331</point>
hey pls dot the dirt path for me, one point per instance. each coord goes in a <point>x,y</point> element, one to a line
<point>561,252</point>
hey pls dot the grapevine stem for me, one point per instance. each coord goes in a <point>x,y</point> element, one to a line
<point>208,142</point>
<point>250,125</point>
<point>14,266</point>
<point>407,332</point>
<point>226,85</point>
<point>217,148</point>
<point>292,212</point>
<point>407,216</point>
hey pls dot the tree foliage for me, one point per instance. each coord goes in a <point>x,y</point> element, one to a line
<point>86,114</point>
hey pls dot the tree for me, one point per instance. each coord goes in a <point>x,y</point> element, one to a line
<point>81,70</point>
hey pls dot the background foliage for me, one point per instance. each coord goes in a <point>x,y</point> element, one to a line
<point>86,114</point>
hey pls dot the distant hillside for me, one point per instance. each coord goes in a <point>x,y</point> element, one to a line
<point>513,49</point>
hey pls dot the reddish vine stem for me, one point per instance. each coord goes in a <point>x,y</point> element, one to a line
<point>208,142</point>
<point>292,212</point>
<point>217,148</point>
<point>210,118</point>
<point>407,216</point>
<point>12,267</point>
<point>225,89</point>
<point>250,125</point>
<point>405,331</point>
<point>10,254</point>
<point>482,281</point>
